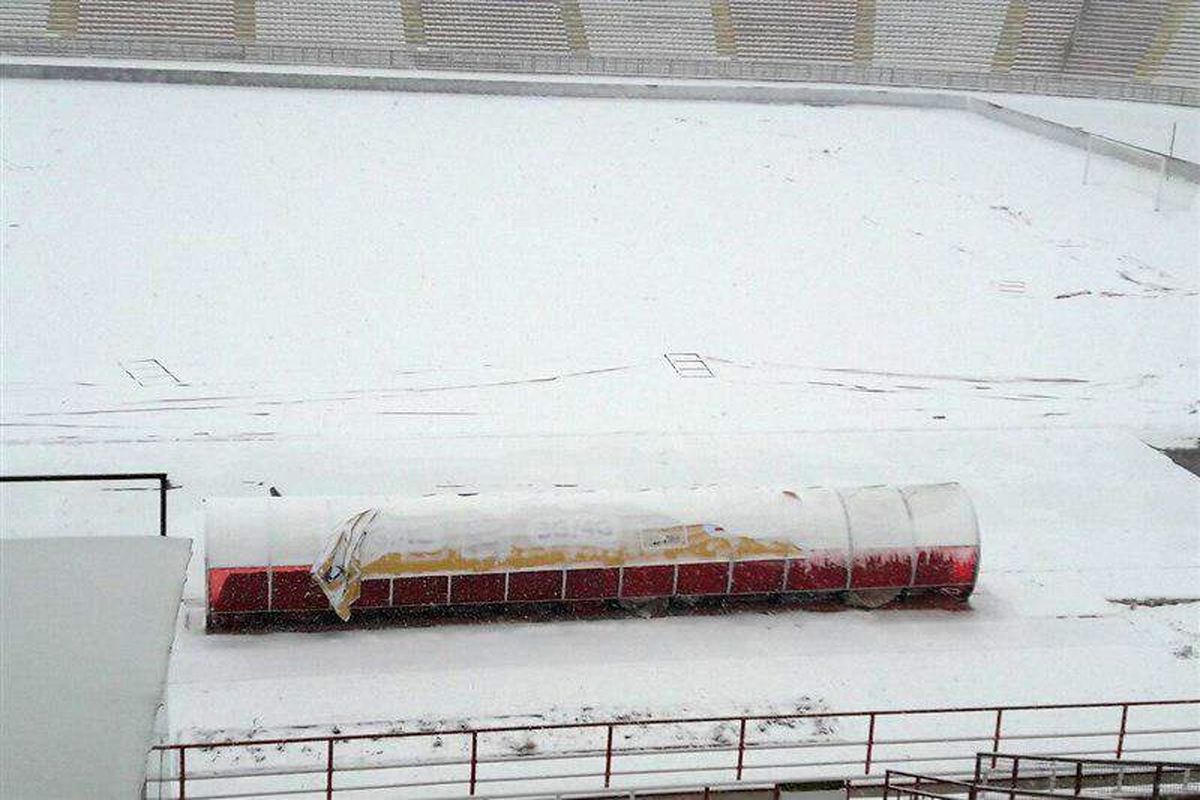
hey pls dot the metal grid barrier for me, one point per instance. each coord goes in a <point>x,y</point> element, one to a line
<point>607,754</point>
<point>1092,777</point>
<point>616,66</point>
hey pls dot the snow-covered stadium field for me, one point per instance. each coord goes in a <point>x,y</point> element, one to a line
<point>361,293</point>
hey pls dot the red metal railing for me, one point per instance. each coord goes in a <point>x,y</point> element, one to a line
<point>470,780</point>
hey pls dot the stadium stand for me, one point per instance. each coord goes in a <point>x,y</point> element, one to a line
<point>212,20</point>
<point>374,23</point>
<point>1113,36</point>
<point>26,18</point>
<point>1044,35</point>
<point>955,35</point>
<point>1142,50</point>
<point>657,27</point>
<point>778,30</point>
<point>531,25</point>
<point>1180,52</point>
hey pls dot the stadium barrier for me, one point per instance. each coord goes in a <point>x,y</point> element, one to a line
<point>611,66</point>
<point>768,93</point>
<point>600,754</point>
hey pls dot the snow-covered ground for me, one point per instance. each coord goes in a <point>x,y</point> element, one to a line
<point>369,293</point>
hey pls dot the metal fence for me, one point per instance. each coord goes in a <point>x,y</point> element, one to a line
<point>161,477</point>
<point>515,61</point>
<point>557,759</point>
<point>1090,776</point>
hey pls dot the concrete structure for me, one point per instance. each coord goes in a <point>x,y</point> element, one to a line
<point>1145,50</point>
<point>85,635</point>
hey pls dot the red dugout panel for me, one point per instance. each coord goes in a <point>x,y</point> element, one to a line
<point>376,593</point>
<point>293,589</point>
<point>881,569</point>
<point>592,584</point>
<point>757,577</point>
<point>486,588</point>
<point>817,572</point>
<point>946,566</point>
<point>528,587</point>
<point>700,579</point>
<point>425,590</point>
<point>237,589</point>
<point>655,581</point>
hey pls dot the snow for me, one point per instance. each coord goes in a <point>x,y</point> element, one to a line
<point>368,293</point>
<point>86,631</point>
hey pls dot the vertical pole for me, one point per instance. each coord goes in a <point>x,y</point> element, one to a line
<point>182,775</point>
<point>1087,160</point>
<point>162,505</point>
<point>741,748</point>
<point>705,793</point>
<point>474,756</point>
<point>996,735</point>
<point>1012,781</point>
<point>1121,733</point>
<point>1162,177</point>
<point>608,758</point>
<point>1157,782</point>
<point>1078,778</point>
<point>329,768</point>
<point>870,745</point>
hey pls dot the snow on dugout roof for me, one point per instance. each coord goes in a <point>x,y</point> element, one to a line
<point>86,626</point>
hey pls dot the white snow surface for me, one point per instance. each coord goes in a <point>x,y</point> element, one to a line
<point>85,635</point>
<point>368,293</point>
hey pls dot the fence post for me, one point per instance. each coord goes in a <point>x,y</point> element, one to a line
<point>1157,782</point>
<point>887,785</point>
<point>741,748</point>
<point>870,745</point>
<point>474,756</point>
<point>1121,734</point>
<point>1012,782</point>
<point>162,504</point>
<point>1078,778</point>
<point>329,768</point>
<point>182,774</point>
<point>996,735</point>
<point>1087,160</point>
<point>608,758</point>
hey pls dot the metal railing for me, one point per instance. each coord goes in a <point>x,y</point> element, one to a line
<point>163,485</point>
<point>338,764</point>
<point>516,61</point>
<point>1090,776</point>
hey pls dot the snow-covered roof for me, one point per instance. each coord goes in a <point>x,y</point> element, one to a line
<point>85,634</point>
